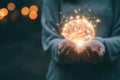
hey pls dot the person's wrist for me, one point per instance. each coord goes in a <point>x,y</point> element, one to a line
<point>99,39</point>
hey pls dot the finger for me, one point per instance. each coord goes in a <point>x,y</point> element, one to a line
<point>65,52</point>
<point>84,55</point>
<point>71,48</point>
<point>97,57</point>
<point>93,55</point>
<point>89,51</point>
<point>60,52</point>
<point>60,47</point>
<point>100,53</point>
<point>68,51</point>
<point>94,58</point>
<point>88,48</point>
<point>102,50</point>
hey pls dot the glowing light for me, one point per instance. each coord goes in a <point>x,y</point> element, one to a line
<point>34,8</point>
<point>89,10</point>
<point>76,11</point>
<point>77,17</point>
<point>57,24</point>
<point>78,30</point>
<point>33,15</point>
<point>1,17</point>
<point>11,6</point>
<point>60,12</point>
<point>4,11</point>
<point>98,20</point>
<point>1,13</point>
<point>71,17</point>
<point>25,11</point>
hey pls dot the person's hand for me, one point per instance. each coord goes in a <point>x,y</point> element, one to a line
<point>93,51</point>
<point>67,51</point>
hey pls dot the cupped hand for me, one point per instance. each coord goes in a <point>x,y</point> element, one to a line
<point>67,51</point>
<point>92,51</point>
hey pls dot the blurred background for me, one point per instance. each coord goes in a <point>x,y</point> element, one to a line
<point>21,53</point>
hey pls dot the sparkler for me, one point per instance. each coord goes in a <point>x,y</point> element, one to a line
<point>78,30</point>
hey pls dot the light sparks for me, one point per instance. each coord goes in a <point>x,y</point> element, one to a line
<point>60,12</point>
<point>57,24</point>
<point>71,17</point>
<point>98,20</point>
<point>76,11</point>
<point>89,10</point>
<point>11,6</point>
<point>78,30</point>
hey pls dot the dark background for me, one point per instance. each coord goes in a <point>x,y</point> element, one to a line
<point>21,53</point>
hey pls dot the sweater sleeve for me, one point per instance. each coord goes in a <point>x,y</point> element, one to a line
<point>50,29</point>
<point>112,43</point>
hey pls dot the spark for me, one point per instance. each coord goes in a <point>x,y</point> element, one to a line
<point>77,17</point>
<point>60,12</point>
<point>53,29</point>
<point>89,10</point>
<point>76,11</point>
<point>98,20</point>
<point>57,24</point>
<point>71,17</point>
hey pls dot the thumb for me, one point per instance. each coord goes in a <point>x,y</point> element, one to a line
<point>102,49</point>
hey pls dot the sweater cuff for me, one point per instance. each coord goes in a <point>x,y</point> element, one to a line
<point>54,52</point>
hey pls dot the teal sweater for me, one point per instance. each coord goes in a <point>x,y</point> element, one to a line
<point>108,32</point>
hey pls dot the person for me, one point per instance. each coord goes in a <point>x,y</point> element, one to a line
<point>100,58</point>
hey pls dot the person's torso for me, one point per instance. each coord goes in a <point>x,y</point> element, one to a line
<point>101,9</point>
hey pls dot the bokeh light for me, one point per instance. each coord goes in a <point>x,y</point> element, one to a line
<point>34,8</point>
<point>4,11</point>
<point>25,11</point>
<point>33,15</point>
<point>1,17</point>
<point>11,6</point>
<point>31,12</point>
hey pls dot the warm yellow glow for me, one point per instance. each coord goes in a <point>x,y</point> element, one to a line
<point>78,30</point>
<point>11,6</point>
<point>33,15</point>
<point>1,17</point>
<point>25,11</point>
<point>4,11</point>
<point>34,8</point>
<point>98,20</point>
